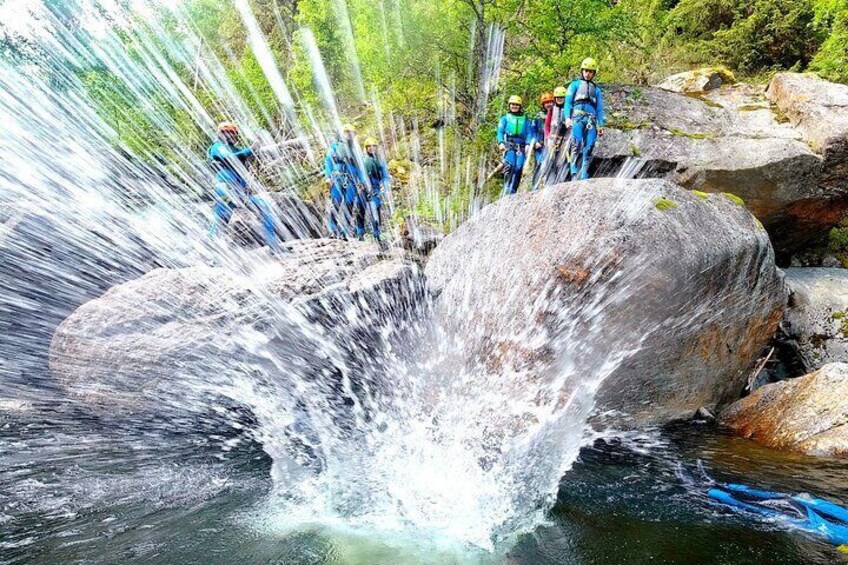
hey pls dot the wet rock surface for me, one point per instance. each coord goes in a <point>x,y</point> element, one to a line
<point>816,322</point>
<point>666,294</point>
<point>49,270</point>
<point>808,414</point>
<point>419,237</point>
<point>172,333</point>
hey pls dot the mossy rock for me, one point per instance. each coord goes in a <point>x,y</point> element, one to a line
<point>663,204</point>
<point>702,97</point>
<point>837,240</point>
<point>751,108</point>
<point>726,74</point>
<point>700,194</point>
<point>680,133</point>
<point>623,123</point>
<point>734,198</point>
<point>635,151</point>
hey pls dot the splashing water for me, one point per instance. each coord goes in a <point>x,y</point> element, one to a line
<point>374,420</point>
<point>491,71</point>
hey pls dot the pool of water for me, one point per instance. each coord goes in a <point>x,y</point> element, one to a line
<point>92,493</point>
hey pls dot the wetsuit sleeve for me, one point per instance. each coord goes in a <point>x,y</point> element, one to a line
<point>502,130</point>
<point>599,108</point>
<point>224,153</point>
<point>387,177</point>
<point>569,100</point>
<point>243,153</point>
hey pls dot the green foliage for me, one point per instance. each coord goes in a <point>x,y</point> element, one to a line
<point>831,19</point>
<point>838,240</point>
<point>421,60</point>
<point>769,33</point>
<point>751,35</point>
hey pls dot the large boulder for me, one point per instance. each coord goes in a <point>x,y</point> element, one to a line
<point>661,297</point>
<point>818,109</point>
<point>816,322</point>
<point>175,338</point>
<point>808,414</point>
<point>50,265</point>
<point>697,81</point>
<point>730,140</point>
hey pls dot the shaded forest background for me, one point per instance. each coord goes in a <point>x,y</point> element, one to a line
<point>427,60</point>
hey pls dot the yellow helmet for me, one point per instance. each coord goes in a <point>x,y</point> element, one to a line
<point>348,128</point>
<point>560,92</point>
<point>516,100</point>
<point>369,141</point>
<point>589,64</point>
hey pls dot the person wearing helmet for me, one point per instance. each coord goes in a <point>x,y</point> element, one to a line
<point>515,131</point>
<point>546,102</point>
<point>556,133</point>
<point>229,161</point>
<point>379,182</point>
<point>344,176</point>
<point>554,117</point>
<point>584,111</point>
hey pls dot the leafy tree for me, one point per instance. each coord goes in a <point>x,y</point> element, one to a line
<point>831,19</point>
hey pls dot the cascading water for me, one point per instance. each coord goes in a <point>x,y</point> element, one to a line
<point>374,418</point>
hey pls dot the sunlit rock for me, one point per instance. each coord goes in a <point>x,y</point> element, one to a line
<point>816,322</point>
<point>660,297</point>
<point>733,140</point>
<point>808,414</point>
<point>697,81</point>
<point>818,109</point>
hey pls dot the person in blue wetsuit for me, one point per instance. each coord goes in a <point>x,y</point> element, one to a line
<point>515,131</point>
<point>379,182</point>
<point>343,172</point>
<point>229,161</point>
<point>816,516</point>
<point>584,111</point>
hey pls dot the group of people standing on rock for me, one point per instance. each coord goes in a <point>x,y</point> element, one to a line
<point>358,184</point>
<point>561,137</point>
